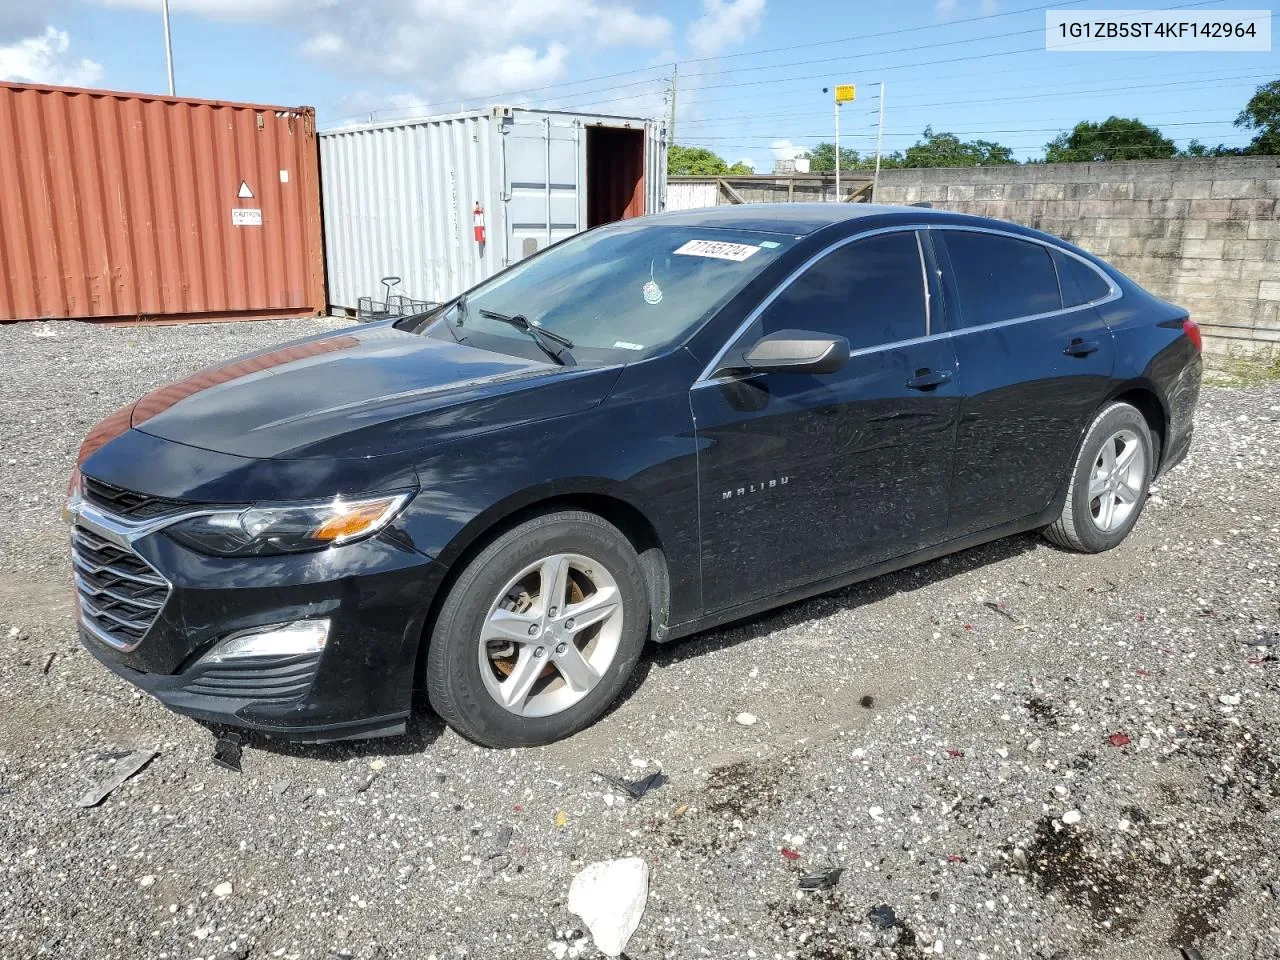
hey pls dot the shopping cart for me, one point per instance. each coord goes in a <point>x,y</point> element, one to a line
<point>369,309</point>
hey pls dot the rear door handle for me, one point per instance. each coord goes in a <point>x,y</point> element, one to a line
<point>928,379</point>
<point>1081,348</point>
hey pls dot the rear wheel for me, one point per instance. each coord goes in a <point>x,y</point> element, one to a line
<point>1109,483</point>
<point>539,633</point>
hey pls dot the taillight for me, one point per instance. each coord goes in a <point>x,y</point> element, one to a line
<point>1192,330</point>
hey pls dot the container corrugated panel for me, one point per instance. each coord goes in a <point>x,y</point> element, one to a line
<point>399,197</point>
<point>123,207</point>
<point>692,194</point>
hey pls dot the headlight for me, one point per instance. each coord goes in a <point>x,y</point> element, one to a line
<point>293,528</point>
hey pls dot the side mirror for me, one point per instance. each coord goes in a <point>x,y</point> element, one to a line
<point>797,351</point>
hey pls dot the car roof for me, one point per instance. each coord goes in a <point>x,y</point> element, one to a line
<point>795,219</point>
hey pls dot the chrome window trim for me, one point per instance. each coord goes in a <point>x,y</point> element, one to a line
<point>1114,293</point>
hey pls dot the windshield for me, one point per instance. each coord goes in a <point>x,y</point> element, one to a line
<point>616,294</point>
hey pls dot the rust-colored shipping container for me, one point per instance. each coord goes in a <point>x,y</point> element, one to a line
<point>135,208</point>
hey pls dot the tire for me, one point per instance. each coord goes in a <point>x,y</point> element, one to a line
<point>533,653</point>
<point>1104,479</point>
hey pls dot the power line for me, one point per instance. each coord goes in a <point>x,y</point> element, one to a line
<point>744,53</point>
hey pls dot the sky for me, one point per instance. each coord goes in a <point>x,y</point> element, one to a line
<point>749,73</point>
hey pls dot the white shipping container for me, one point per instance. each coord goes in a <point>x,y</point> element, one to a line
<point>399,196</point>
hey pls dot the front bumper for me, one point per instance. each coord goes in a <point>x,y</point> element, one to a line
<point>375,594</point>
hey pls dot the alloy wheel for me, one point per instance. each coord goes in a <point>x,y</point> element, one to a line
<point>550,635</point>
<point>1117,481</point>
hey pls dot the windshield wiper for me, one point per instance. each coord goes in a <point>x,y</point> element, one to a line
<point>543,338</point>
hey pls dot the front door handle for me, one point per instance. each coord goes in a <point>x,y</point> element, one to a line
<point>929,379</point>
<point>1081,348</point>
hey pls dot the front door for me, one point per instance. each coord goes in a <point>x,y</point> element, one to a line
<point>1035,364</point>
<point>803,477</point>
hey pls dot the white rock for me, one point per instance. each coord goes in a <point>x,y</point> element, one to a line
<point>610,897</point>
<point>1230,699</point>
<point>1071,816</point>
<point>746,719</point>
<point>147,881</point>
<point>1123,825</point>
<point>222,890</point>
<point>559,949</point>
<point>877,814</point>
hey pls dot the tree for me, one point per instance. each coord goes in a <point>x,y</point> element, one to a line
<point>1262,113</point>
<point>948,150</point>
<point>694,162</point>
<point>1115,138</point>
<point>1197,149</point>
<point>741,169</point>
<point>822,158</point>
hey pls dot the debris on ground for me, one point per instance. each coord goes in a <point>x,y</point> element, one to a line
<point>125,769</point>
<point>821,880</point>
<point>882,916</point>
<point>635,789</point>
<point>222,890</point>
<point>1191,953</point>
<point>1119,740</point>
<point>610,897</point>
<point>746,719</point>
<point>48,664</point>
<point>228,749</point>
<point>997,607</point>
<point>789,854</point>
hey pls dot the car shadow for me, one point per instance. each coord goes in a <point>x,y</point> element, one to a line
<point>824,604</point>
<point>423,729</point>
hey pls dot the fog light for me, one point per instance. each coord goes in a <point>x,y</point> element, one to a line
<point>278,640</point>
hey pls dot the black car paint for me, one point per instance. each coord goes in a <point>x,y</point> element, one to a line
<point>877,475</point>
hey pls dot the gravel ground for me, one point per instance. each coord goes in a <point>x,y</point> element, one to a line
<point>1025,753</point>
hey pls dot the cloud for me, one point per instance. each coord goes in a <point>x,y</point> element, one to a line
<point>785,150</point>
<point>748,161</point>
<point>723,23</point>
<point>988,7</point>
<point>515,67</point>
<point>622,26</point>
<point>46,59</point>
<point>946,9</point>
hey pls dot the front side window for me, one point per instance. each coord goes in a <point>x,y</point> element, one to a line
<point>619,293</point>
<point>1000,278</point>
<point>871,291</point>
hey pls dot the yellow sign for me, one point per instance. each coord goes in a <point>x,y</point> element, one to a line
<point>844,93</point>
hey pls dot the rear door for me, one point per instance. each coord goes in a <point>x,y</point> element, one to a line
<point>803,477</point>
<point>1032,371</point>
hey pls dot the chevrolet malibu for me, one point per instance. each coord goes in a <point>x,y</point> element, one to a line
<point>644,431</point>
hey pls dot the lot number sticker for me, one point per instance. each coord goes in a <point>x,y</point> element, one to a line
<point>718,250</point>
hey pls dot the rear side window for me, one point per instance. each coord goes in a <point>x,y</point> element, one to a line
<point>871,291</point>
<point>1080,283</point>
<point>1000,278</point>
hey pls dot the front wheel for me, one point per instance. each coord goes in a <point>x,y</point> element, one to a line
<point>1109,483</point>
<point>539,633</point>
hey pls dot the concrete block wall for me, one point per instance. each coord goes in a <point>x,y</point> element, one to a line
<point>1204,234</point>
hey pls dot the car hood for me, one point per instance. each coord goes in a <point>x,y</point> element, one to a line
<point>363,392</point>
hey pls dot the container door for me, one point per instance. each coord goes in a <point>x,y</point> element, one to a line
<point>656,169</point>
<point>541,163</point>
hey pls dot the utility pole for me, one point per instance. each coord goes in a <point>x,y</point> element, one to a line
<point>168,44</point>
<point>837,109</point>
<point>843,93</point>
<point>875,181</point>
<point>671,124</point>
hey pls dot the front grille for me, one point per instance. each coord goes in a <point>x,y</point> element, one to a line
<point>120,594</point>
<point>126,503</point>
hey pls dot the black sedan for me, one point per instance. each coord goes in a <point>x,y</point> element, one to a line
<point>644,431</point>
